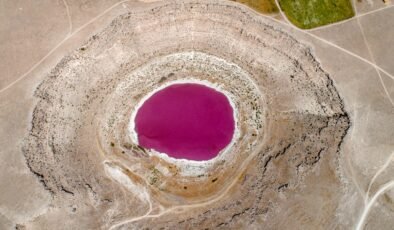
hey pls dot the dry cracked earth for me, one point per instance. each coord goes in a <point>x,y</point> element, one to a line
<point>306,156</point>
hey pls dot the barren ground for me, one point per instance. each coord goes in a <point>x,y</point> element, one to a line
<point>315,114</point>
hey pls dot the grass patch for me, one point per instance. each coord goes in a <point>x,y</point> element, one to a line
<point>307,14</point>
<point>262,6</point>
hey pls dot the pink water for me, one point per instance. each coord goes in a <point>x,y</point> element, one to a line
<point>186,121</point>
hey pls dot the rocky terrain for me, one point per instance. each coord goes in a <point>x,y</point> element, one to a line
<point>282,172</point>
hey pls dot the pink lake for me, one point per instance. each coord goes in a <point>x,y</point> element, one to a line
<point>186,121</point>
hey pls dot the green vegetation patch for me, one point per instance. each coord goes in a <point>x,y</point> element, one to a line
<point>262,6</point>
<point>307,14</point>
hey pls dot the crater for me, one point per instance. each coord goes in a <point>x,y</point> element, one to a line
<point>184,114</point>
